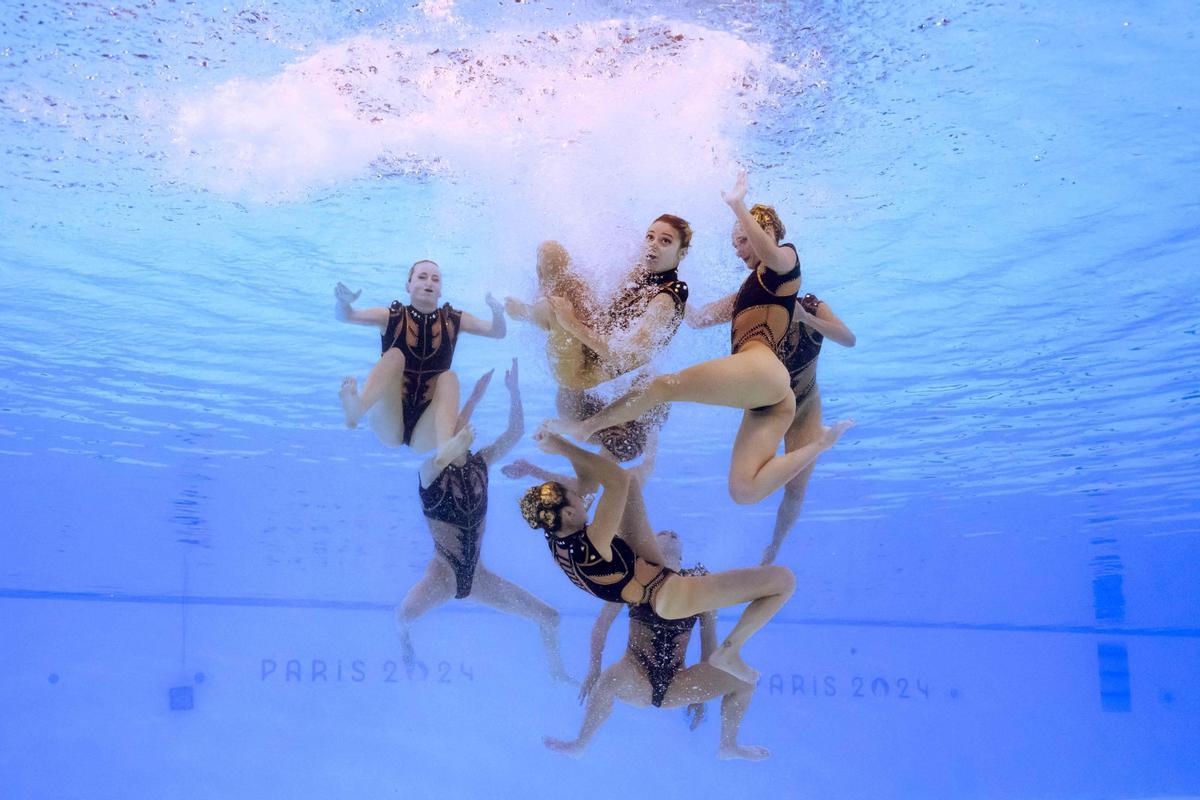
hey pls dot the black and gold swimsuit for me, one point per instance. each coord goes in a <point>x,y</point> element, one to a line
<point>628,440</point>
<point>427,342</point>
<point>659,645</point>
<point>458,497</point>
<point>633,300</point>
<point>799,350</point>
<point>578,558</point>
<point>762,310</point>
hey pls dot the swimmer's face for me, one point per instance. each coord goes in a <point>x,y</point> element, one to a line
<point>671,548</point>
<point>574,513</point>
<point>741,244</point>
<point>425,284</point>
<point>662,247</point>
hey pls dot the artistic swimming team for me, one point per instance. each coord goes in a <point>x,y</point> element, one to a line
<point>609,548</point>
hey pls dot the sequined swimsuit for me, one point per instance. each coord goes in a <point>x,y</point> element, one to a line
<point>427,342</point>
<point>458,497</point>
<point>635,298</point>
<point>800,349</point>
<point>659,645</point>
<point>762,310</point>
<point>628,440</point>
<point>578,558</point>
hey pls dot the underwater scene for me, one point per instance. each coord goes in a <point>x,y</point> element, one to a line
<point>457,399</point>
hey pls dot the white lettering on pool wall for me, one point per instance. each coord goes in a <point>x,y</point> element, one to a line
<point>315,671</point>
<point>848,686</point>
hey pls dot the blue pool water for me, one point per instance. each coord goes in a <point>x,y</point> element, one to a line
<point>996,569</point>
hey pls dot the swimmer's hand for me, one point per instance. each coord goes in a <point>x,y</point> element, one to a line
<point>800,314</point>
<point>548,441</point>
<point>481,386</point>
<point>589,683</point>
<point>344,294</point>
<point>495,305</point>
<point>516,308</point>
<point>343,297</point>
<point>737,194</point>
<point>695,714</point>
<point>510,378</point>
<point>518,469</point>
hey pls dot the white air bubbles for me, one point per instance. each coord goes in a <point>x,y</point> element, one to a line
<point>601,108</point>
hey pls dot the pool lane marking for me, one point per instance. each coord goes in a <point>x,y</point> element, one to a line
<point>366,605</point>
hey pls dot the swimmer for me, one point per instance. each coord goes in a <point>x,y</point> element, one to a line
<point>651,671</point>
<point>813,323</point>
<point>587,346</point>
<point>454,495</point>
<point>752,378</point>
<point>411,392</point>
<point>616,558</point>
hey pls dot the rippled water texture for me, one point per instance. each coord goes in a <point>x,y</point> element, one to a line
<point>1000,199</point>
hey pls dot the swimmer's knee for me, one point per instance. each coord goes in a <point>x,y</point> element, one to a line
<point>782,579</point>
<point>394,358</point>
<point>743,491</point>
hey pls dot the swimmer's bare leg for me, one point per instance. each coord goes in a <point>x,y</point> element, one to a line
<point>456,446</point>
<point>437,424</point>
<point>789,511</point>
<point>434,589</point>
<point>753,378</point>
<point>700,683</point>
<point>765,588</point>
<point>805,428</point>
<point>755,470</point>
<point>490,589</point>
<point>619,679</point>
<point>385,377</point>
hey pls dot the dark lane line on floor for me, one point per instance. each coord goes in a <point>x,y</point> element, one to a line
<point>366,605</point>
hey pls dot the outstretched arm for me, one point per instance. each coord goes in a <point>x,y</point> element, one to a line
<point>827,324</point>
<point>516,421</point>
<point>538,312</point>
<point>564,313</point>
<point>344,310</point>
<point>779,259</point>
<point>523,468</point>
<point>711,314</point>
<point>645,336</point>
<point>495,330</point>
<point>644,470</point>
<point>600,630</point>
<point>610,508</point>
<point>477,394</point>
<point>631,348</point>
